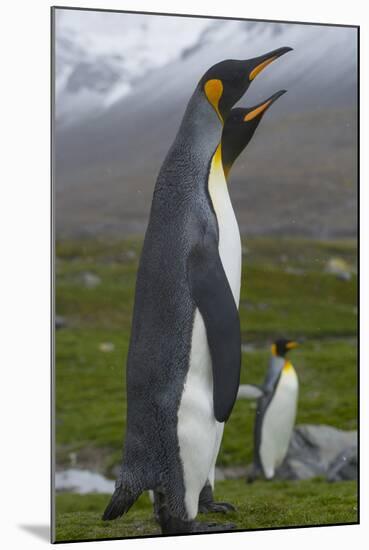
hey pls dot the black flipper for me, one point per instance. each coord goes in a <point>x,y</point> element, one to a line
<point>214,299</point>
<point>124,496</point>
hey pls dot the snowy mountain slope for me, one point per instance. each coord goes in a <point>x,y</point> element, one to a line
<point>120,101</point>
<point>101,56</point>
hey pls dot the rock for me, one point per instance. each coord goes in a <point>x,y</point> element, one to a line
<point>131,254</point>
<point>247,348</point>
<point>73,459</point>
<point>60,322</point>
<point>106,347</point>
<point>344,466</point>
<point>312,451</point>
<point>339,268</point>
<point>294,271</point>
<point>83,482</point>
<point>90,280</point>
<point>230,472</point>
<point>249,391</point>
<point>344,276</point>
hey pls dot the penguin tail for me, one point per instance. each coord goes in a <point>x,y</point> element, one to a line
<point>123,497</point>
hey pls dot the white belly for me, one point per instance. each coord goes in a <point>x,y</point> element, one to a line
<point>199,434</point>
<point>197,426</point>
<point>278,423</point>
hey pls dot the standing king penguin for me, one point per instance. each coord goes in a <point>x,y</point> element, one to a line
<point>184,357</point>
<point>275,413</point>
<point>238,131</point>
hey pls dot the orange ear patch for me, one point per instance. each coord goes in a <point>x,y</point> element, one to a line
<point>214,90</point>
<point>256,112</point>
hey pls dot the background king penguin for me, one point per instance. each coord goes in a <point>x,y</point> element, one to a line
<point>276,412</point>
<point>184,357</point>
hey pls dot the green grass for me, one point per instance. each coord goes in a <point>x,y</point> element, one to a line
<point>285,291</point>
<point>259,506</point>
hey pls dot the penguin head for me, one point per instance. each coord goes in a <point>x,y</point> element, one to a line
<point>226,82</point>
<point>239,128</point>
<point>282,346</point>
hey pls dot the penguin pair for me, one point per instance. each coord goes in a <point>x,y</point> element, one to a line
<point>275,413</point>
<point>184,357</point>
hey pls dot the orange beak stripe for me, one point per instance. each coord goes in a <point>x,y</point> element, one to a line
<point>292,345</point>
<point>260,67</point>
<point>256,112</point>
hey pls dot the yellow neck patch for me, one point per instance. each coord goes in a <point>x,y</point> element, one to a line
<point>287,367</point>
<point>274,349</point>
<point>214,90</point>
<point>216,181</point>
<point>217,158</point>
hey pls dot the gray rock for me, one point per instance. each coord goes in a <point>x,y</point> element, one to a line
<point>294,271</point>
<point>60,322</point>
<point>247,348</point>
<point>249,391</point>
<point>313,450</point>
<point>344,466</point>
<point>344,276</point>
<point>82,481</point>
<point>230,472</point>
<point>131,254</point>
<point>90,280</point>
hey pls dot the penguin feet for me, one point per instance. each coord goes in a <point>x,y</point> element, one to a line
<point>202,527</point>
<point>217,507</point>
<point>176,526</point>
<point>208,505</point>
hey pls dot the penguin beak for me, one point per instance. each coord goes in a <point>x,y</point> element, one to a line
<point>259,63</point>
<point>259,110</point>
<point>292,345</point>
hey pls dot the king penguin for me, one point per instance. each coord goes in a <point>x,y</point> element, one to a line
<point>239,128</point>
<point>275,413</point>
<point>184,356</point>
<point>238,131</point>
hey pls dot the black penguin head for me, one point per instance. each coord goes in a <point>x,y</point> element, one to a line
<point>282,346</point>
<point>239,128</point>
<point>226,82</point>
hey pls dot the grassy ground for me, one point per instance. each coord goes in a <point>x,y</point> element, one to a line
<point>259,506</point>
<point>285,291</point>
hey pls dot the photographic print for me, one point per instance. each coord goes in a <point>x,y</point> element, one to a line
<point>205,178</point>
